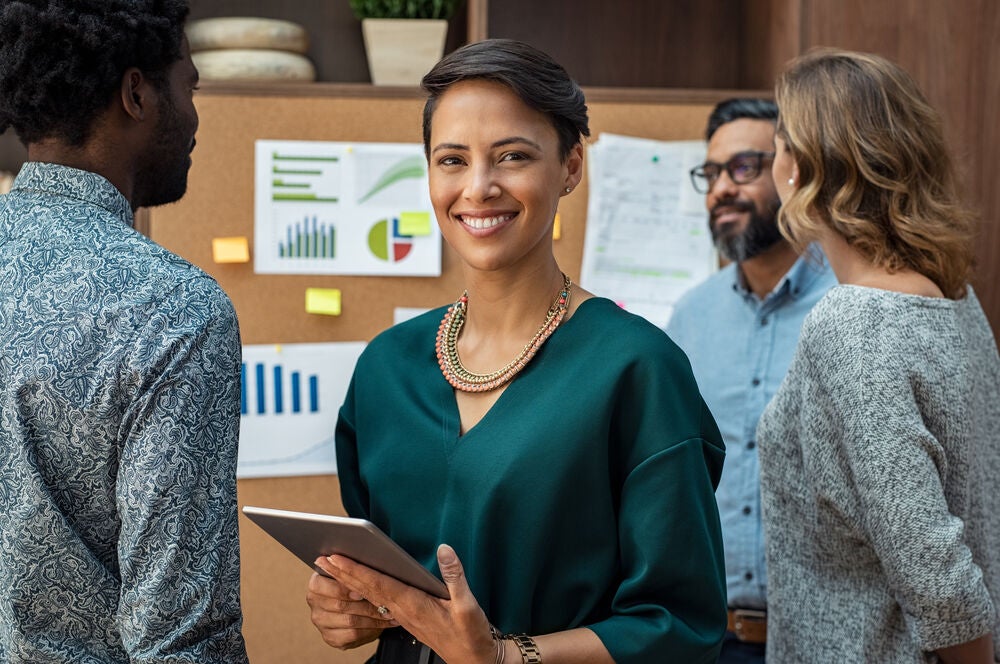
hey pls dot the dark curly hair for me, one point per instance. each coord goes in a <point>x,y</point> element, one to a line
<point>62,60</point>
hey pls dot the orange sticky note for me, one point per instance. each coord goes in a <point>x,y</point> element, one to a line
<point>230,250</point>
<point>414,223</point>
<point>557,227</point>
<point>325,301</point>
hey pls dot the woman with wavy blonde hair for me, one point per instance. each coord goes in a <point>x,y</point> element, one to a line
<point>880,453</point>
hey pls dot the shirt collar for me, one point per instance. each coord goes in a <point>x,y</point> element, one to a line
<point>797,281</point>
<point>55,179</point>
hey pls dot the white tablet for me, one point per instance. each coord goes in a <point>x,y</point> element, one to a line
<point>310,536</point>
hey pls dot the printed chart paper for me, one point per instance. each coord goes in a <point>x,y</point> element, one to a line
<point>344,208</point>
<point>291,394</point>
<point>647,238</point>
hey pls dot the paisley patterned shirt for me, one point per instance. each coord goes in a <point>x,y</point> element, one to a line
<point>119,419</point>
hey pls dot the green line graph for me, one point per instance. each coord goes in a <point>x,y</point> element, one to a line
<point>411,167</point>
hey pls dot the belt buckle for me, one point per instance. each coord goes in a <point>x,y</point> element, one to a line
<point>750,625</point>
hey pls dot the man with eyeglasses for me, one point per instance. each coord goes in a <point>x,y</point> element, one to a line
<point>739,328</point>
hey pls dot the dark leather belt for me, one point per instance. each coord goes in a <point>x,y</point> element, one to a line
<point>749,625</point>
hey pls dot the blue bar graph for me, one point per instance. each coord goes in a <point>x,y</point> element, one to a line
<point>243,389</point>
<point>278,406</point>
<point>260,389</point>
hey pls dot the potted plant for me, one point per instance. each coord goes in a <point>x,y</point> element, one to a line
<point>403,38</point>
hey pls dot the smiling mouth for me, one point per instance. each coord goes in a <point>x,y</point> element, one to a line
<point>727,216</point>
<point>484,222</point>
<point>736,209</point>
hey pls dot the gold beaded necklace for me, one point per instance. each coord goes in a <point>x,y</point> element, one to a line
<point>467,381</point>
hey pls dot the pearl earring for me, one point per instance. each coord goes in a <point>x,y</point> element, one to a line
<point>791,182</point>
<point>569,190</point>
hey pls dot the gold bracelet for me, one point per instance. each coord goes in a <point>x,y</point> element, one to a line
<point>501,646</point>
<point>529,649</point>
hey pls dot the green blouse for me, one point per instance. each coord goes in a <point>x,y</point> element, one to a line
<point>584,497</point>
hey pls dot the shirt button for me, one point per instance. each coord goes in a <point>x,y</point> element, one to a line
<point>747,510</point>
<point>748,576</point>
<point>751,445</point>
<point>763,321</point>
<point>755,382</point>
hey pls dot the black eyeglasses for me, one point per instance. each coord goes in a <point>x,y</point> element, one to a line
<point>743,167</point>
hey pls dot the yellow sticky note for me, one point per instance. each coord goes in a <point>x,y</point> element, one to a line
<point>230,250</point>
<point>557,227</point>
<point>414,223</point>
<point>324,301</point>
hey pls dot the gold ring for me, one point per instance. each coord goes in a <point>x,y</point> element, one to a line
<point>383,610</point>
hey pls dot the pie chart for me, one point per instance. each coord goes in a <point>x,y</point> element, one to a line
<point>390,247</point>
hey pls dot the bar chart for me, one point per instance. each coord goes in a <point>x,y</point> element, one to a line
<point>309,239</point>
<point>303,177</point>
<point>289,399</point>
<point>298,402</point>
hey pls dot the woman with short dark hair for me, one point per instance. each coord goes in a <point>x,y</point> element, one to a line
<point>555,443</point>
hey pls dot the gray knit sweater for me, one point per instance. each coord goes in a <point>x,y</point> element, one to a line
<point>880,480</point>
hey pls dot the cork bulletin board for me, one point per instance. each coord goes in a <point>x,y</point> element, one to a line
<point>220,203</point>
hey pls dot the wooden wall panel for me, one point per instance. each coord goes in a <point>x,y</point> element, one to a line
<point>770,36</point>
<point>983,129</point>
<point>638,43</point>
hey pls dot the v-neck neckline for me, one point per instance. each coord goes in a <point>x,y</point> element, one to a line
<point>453,425</point>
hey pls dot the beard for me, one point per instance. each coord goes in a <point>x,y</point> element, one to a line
<point>760,234</point>
<point>163,177</point>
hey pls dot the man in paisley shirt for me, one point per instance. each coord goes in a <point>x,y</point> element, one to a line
<point>119,361</point>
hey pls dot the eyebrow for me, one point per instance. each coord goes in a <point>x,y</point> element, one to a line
<point>511,140</point>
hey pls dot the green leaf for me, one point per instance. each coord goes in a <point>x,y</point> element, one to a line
<point>443,9</point>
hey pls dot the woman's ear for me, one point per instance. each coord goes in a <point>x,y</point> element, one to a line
<point>574,167</point>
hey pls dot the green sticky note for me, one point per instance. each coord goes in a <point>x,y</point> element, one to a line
<point>325,301</point>
<point>414,223</point>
